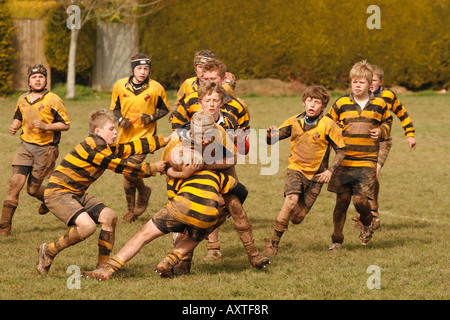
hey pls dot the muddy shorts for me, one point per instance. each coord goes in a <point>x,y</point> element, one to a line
<point>385,147</point>
<point>353,180</point>
<point>166,222</point>
<point>68,206</point>
<point>307,190</point>
<point>40,158</point>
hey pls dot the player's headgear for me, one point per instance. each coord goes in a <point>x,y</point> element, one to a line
<point>140,59</point>
<point>202,56</point>
<point>201,121</point>
<point>230,79</point>
<point>37,68</point>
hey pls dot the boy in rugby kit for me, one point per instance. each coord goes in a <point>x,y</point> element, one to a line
<point>42,116</point>
<point>394,105</point>
<point>312,136</point>
<point>364,119</point>
<point>66,195</point>
<point>137,102</point>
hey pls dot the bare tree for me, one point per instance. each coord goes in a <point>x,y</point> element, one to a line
<point>82,11</point>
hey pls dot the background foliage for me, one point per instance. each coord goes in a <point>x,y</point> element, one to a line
<point>7,52</point>
<point>316,41</point>
<point>57,43</point>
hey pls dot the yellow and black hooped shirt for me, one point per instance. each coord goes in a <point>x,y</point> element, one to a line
<point>196,199</point>
<point>394,105</point>
<point>89,159</point>
<point>231,108</point>
<point>126,102</point>
<point>49,109</point>
<point>356,123</point>
<point>310,143</point>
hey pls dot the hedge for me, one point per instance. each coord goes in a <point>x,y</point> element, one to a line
<point>316,41</point>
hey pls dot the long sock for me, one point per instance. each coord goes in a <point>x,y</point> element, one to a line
<point>9,207</point>
<point>69,239</point>
<point>115,264</point>
<point>105,245</point>
<point>278,230</point>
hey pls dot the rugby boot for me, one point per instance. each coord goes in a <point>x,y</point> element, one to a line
<point>365,233</point>
<point>335,246</point>
<point>165,267</point>
<point>269,248</point>
<point>106,270</point>
<point>44,261</point>
<point>5,229</point>
<point>129,217</point>
<point>257,261</point>
<point>184,266</point>
<point>213,253</point>
<point>43,209</point>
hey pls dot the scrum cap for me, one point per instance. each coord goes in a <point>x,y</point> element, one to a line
<point>37,68</point>
<point>140,59</point>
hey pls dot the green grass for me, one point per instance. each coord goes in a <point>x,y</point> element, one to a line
<point>411,248</point>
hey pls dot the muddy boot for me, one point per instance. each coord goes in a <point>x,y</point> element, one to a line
<point>165,267</point>
<point>43,209</point>
<point>269,248</point>
<point>214,253</point>
<point>129,217</point>
<point>44,261</point>
<point>184,266</point>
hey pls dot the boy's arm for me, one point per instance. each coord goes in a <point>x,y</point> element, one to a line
<point>161,110</point>
<point>284,131</point>
<point>56,126</point>
<point>16,125</point>
<point>142,145</point>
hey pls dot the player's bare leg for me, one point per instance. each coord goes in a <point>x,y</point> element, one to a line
<point>84,227</point>
<point>281,223</point>
<point>339,216</point>
<point>362,206</point>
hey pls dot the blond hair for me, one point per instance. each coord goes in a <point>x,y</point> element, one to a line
<point>376,70</point>
<point>98,119</point>
<point>361,70</point>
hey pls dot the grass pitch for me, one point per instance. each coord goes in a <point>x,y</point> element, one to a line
<point>410,251</point>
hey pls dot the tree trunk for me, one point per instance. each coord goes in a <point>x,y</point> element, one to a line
<point>70,85</point>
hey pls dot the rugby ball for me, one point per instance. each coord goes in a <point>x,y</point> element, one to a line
<point>181,155</point>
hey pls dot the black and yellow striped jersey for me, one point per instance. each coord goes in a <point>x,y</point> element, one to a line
<point>187,87</point>
<point>49,109</point>
<point>356,123</point>
<point>89,159</point>
<point>228,150</point>
<point>310,144</point>
<point>230,91</point>
<point>190,105</point>
<point>131,104</point>
<point>196,199</point>
<point>394,105</point>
